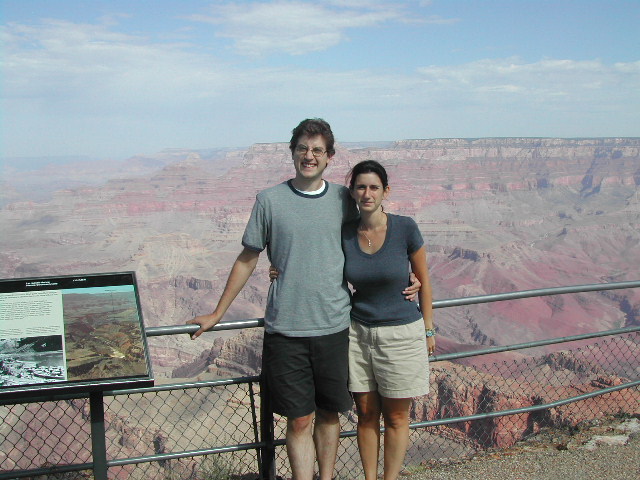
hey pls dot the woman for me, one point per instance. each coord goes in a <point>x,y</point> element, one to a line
<point>388,349</point>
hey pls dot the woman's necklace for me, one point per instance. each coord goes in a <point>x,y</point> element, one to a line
<point>361,230</point>
<point>365,236</point>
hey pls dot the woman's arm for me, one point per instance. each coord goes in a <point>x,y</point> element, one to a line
<point>419,267</point>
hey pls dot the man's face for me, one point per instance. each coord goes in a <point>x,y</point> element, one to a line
<point>310,157</point>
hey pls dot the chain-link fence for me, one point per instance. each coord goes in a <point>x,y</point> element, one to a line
<point>183,423</point>
<point>183,420</point>
<point>176,424</point>
<point>524,386</point>
<point>213,430</point>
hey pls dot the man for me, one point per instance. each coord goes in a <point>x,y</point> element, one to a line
<point>308,308</point>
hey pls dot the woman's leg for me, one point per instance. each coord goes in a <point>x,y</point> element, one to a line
<point>368,408</point>
<point>395,412</point>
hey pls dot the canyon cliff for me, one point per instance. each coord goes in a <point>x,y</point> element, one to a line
<point>497,215</point>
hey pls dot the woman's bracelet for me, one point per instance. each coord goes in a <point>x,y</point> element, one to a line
<point>430,332</point>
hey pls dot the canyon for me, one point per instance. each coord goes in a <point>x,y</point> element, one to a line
<point>497,215</point>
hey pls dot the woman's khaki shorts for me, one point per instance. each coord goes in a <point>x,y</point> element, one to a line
<point>391,360</point>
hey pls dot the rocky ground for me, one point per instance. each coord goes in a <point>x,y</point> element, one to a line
<point>609,449</point>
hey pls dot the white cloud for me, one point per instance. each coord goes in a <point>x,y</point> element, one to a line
<point>438,20</point>
<point>97,66</point>
<point>544,81</point>
<point>93,65</point>
<point>69,85</point>
<point>295,27</point>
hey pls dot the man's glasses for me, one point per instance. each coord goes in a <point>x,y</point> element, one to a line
<point>317,152</point>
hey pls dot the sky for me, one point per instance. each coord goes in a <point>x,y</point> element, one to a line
<point>109,79</point>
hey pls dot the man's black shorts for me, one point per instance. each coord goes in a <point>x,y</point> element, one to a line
<point>306,373</point>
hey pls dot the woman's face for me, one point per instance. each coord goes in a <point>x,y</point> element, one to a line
<point>368,192</point>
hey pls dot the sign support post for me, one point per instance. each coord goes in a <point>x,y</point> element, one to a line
<point>98,442</point>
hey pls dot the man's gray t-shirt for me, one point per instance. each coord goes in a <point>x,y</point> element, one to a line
<point>378,279</point>
<point>301,233</point>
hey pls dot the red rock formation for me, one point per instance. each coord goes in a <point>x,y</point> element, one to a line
<point>497,215</point>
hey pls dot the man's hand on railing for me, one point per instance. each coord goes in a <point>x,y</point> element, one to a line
<point>206,322</point>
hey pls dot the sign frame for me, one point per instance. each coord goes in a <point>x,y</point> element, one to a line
<point>80,333</point>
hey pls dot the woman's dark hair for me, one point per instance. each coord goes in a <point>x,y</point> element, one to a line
<point>312,127</point>
<point>367,166</point>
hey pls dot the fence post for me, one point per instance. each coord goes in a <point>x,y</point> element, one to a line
<point>98,442</point>
<point>268,455</point>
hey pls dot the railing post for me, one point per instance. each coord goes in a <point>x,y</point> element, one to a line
<point>98,442</point>
<point>268,455</point>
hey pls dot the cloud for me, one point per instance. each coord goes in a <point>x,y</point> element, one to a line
<point>295,27</point>
<point>438,20</point>
<point>93,65</point>
<point>61,79</point>
<point>549,81</point>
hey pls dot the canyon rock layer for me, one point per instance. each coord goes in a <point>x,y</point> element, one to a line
<point>497,214</point>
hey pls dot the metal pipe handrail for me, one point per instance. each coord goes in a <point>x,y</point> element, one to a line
<point>531,408</point>
<point>537,343</point>
<point>189,453</point>
<point>46,471</point>
<point>451,302</point>
<point>541,292</point>
<point>512,411</point>
<point>186,385</point>
<point>434,358</point>
<point>191,329</point>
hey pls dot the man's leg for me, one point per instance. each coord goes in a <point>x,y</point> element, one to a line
<point>289,378</point>
<point>300,447</point>
<point>330,375</point>
<point>326,436</point>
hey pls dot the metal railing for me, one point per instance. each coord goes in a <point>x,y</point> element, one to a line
<point>224,428</point>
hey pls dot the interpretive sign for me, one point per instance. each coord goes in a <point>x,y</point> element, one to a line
<point>69,333</point>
